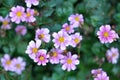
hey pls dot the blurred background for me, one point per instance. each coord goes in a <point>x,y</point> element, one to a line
<point>52,14</point>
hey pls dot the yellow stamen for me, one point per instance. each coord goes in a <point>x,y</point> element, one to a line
<point>35,50</point>
<point>55,54</point>
<point>67,28</point>
<point>41,36</point>
<point>61,39</point>
<point>106,34</point>
<point>5,22</point>
<point>114,55</point>
<point>18,66</point>
<point>41,58</point>
<point>8,62</point>
<point>76,40</point>
<point>28,14</point>
<point>69,61</point>
<point>19,14</point>
<point>77,18</point>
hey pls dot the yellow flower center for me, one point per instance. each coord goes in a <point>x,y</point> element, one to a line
<point>61,39</point>
<point>69,61</point>
<point>5,23</point>
<point>76,40</point>
<point>106,34</point>
<point>55,54</point>
<point>28,14</point>
<point>77,18</point>
<point>35,50</point>
<point>41,36</point>
<point>41,58</point>
<point>8,62</point>
<point>19,14</point>
<point>67,28</point>
<point>18,66</point>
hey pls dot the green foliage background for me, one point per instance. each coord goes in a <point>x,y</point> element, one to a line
<point>53,13</point>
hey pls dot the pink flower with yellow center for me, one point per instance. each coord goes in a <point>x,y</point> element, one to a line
<point>76,19</point>
<point>95,72</point>
<point>55,55</point>
<point>5,23</point>
<point>106,35</point>
<point>42,57</point>
<point>18,65</point>
<point>112,55</point>
<point>33,48</point>
<point>30,15</point>
<point>75,39</point>
<point>17,14</point>
<point>7,63</point>
<point>102,76</point>
<point>68,28</point>
<point>21,30</point>
<point>32,2</point>
<point>69,62</point>
<point>61,39</point>
<point>43,35</point>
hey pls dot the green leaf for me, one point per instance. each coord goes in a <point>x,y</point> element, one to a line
<point>10,3</point>
<point>4,11</point>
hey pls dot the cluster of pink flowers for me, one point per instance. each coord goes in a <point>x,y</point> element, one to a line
<point>106,35</point>
<point>99,74</point>
<point>112,55</point>
<point>65,37</point>
<point>5,23</point>
<point>18,14</point>
<point>16,65</point>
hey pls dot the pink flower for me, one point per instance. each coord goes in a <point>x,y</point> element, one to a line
<point>42,57</point>
<point>55,55</point>
<point>75,39</point>
<point>7,63</point>
<point>61,39</point>
<point>18,65</point>
<point>106,35</point>
<point>33,48</point>
<point>102,76</point>
<point>68,28</point>
<point>69,62</point>
<point>95,72</point>
<point>30,15</point>
<point>21,30</point>
<point>5,22</point>
<point>42,34</point>
<point>112,55</point>
<point>17,14</point>
<point>32,2</point>
<point>76,19</point>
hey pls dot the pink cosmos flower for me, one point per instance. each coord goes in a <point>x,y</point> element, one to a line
<point>30,15</point>
<point>7,63</point>
<point>102,76</point>
<point>32,2</point>
<point>68,28</point>
<point>112,55</point>
<point>76,19</point>
<point>17,14</point>
<point>43,34</point>
<point>5,22</point>
<point>75,39</point>
<point>95,72</point>
<point>18,65</point>
<point>106,35</point>
<point>55,55</point>
<point>33,48</point>
<point>61,39</point>
<point>21,30</point>
<point>69,62</point>
<point>42,57</point>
